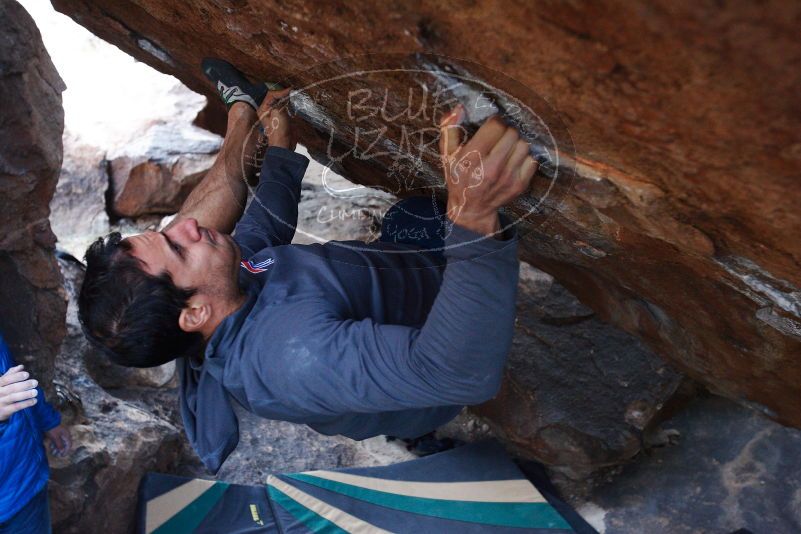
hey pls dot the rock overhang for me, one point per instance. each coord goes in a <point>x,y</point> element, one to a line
<point>681,221</point>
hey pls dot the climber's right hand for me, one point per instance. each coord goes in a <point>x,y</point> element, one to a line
<point>17,391</point>
<point>484,173</point>
<point>275,120</point>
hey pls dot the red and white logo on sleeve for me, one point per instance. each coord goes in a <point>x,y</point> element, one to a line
<point>258,267</point>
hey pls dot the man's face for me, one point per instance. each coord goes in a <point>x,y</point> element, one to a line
<point>195,257</point>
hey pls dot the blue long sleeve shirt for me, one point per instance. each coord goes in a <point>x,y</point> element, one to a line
<point>23,462</point>
<point>350,338</point>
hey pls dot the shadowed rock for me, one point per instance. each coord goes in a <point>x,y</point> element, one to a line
<point>728,469</point>
<point>578,393</point>
<point>32,305</point>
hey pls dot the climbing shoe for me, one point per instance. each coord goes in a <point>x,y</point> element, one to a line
<point>233,86</point>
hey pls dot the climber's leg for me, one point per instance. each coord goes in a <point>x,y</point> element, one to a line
<point>219,200</point>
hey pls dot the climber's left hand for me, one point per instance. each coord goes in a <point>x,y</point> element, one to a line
<point>59,440</point>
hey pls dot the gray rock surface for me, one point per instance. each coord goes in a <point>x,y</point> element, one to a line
<point>276,446</point>
<point>578,394</point>
<point>731,468</point>
<point>116,442</point>
<point>333,208</point>
<point>78,209</point>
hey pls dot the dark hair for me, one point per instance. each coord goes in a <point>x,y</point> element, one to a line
<point>130,315</point>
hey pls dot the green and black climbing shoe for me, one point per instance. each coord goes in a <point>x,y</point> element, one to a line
<point>232,85</point>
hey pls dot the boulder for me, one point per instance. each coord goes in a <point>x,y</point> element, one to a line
<point>578,394</point>
<point>32,304</point>
<point>109,375</point>
<point>277,446</point>
<point>676,216</point>
<point>333,208</point>
<point>156,172</point>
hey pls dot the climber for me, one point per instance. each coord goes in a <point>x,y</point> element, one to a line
<point>392,337</point>
<point>26,419</point>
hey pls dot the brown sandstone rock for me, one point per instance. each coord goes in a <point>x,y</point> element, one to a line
<point>681,223</point>
<point>155,173</point>
<point>32,305</point>
<point>148,187</point>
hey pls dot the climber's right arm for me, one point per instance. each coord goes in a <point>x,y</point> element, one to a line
<point>337,364</point>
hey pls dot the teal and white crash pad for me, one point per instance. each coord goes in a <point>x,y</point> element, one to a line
<point>470,489</point>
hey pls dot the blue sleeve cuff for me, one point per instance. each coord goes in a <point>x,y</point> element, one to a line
<point>52,422</point>
<point>47,416</point>
<point>285,153</point>
<point>283,166</point>
<point>464,244</point>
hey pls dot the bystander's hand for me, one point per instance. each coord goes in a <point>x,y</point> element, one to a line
<point>484,173</point>
<point>275,120</point>
<point>17,391</point>
<point>59,440</point>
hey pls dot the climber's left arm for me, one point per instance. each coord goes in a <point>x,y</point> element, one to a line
<point>272,216</point>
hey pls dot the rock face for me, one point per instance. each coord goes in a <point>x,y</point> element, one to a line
<point>728,469</point>
<point>32,305</point>
<point>679,221</point>
<point>332,208</point>
<point>578,393</point>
